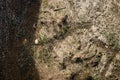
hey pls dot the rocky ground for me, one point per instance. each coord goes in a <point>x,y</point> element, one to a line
<point>60,40</point>
<point>78,40</point>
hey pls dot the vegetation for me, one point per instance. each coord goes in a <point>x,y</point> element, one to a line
<point>43,39</point>
<point>45,56</point>
<point>86,52</point>
<point>64,28</point>
<point>113,40</point>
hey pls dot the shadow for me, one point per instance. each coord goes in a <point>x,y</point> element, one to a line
<point>18,33</point>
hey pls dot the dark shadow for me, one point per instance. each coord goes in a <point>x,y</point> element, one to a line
<point>18,33</point>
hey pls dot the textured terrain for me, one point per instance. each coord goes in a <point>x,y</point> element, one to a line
<point>81,39</point>
<point>60,40</point>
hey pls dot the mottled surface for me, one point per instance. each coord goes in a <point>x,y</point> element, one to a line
<point>83,38</point>
<point>60,40</point>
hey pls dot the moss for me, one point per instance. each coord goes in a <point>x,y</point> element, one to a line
<point>44,3</point>
<point>43,39</point>
<point>45,56</point>
<point>96,79</point>
<point>113,40</point>
<point>86,52</point>
<point>63,30</point>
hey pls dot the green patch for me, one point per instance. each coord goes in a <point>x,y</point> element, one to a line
<point>44,3</point>
<point>113,40</point>
<point>86,52</point>
<point>45,56</point>
<point>64,28</point>
<point>96,79</point>
<point>43,39</point>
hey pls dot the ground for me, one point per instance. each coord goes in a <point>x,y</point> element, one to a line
<point>60,40</point>
<point>82,38</point>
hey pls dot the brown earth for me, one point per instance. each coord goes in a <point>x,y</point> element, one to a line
<point>60,40</point>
